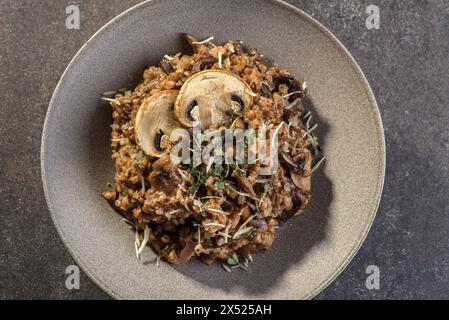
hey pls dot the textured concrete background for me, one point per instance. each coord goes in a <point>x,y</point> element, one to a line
<point>406,63</point>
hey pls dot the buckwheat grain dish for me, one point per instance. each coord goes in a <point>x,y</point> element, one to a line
<point>216,210</point>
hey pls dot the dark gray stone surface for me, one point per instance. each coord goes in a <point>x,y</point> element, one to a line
<point>406,63</point>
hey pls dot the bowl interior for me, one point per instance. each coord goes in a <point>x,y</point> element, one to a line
<point>311,250</point>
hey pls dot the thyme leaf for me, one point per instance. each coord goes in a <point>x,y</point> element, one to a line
<point>139,156</point>
<point>267,187</point>
<point>233,260</point>
<point>219,185</point>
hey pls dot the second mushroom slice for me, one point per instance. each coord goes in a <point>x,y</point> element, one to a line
<point>155,121</point>
<point>212,96</point>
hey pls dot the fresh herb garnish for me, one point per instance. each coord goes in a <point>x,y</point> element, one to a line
<point>194,188</point>
<point>197,203</point>
<point>234,261</point>
<point>314,140</point>
<point>267,187</point>
<point>139,156</point>
<point>219,185</point>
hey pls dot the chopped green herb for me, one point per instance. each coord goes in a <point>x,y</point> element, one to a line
<point>197,203</point>
<point>138,157</point>
<point>219,185</point>
<point>267,187</point>
<point>194,188</point>
<point>233,260</point>
<point>197,174</point>
<point>314,140</point>
<point>247,231</point>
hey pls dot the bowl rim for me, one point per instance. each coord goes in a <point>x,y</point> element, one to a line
<point>380,136</point>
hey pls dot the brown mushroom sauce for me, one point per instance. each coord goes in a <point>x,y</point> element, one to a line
<point>188,212</point>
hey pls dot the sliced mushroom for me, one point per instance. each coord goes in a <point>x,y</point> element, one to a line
<point>190,39</point>
<point>304,180</point>
<point>204,63</point>
<point>187,252</point>
<point>246,185</point>
<point>155,121</point>
<point>288,85</point>
<point>166,66</point>
<point>212,96</point>
<point>295,209</point>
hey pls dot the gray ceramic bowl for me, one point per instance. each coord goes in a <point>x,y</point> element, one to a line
<point>311,250</point>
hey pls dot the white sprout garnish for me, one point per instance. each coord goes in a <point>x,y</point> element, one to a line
<point>290,94</point>
<point>259,204</point>
<point>142,181</point>
<point>217,211</point>
<point>288,131</point>
<point>242,229</point>
<point>251,93</point>
<point>308,121</point>
<point>304,85</point>
<point>109,93</point>
<point>136,247</point>
<point>174,212</point>
<point>198,203</point>
<point>290,105</point>
<point>241,193</point>
<point>129,223</point>
<point>276,132</point>
<point>204,41</point>
<point>307,115</point>
<point>170,58</point>
<point>209,164</point>
<point>183,174</point>
<point>226,267</point>
<point>137,242</point>
<point>245,262</point>
<point>225,234</point>
<point>110,100</point>
<point>289,160</point>
<point>146,238</point>
<point>316,166</point>
<point>213,224</point>
<point>199,234</point>
<point>306,165</point>
<point>313,128</point>
<point>195,113</point>
<point>300,212</point>
<point>220,60</point>
<point>266,126</point>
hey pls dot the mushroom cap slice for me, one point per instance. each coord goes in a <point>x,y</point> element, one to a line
<point>155,121</point>
<point>213,96</point>
<point>304,181</point>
